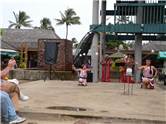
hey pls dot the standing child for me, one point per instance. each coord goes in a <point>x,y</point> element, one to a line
<point>82,75</point>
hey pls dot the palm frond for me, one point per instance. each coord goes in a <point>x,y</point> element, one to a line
<point>70,12</point>
<point>12,25</point>
<point>16,16</point>
<point>59,21</point>
<point>75,20</point>
<point>62,15</point>
<point>11,22</point>
<point>21,19</point>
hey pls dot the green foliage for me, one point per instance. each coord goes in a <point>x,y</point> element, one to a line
<point>74,40</point>
<point>114,67</point>
<point>21,19</point>
<point>118,60</point>
<point>1,31</point>
<point>69,17</point>
<point>115,44</point>
<point>45,23</point>
<point>23,65</point>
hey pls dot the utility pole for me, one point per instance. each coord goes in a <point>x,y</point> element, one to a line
<point>102,36</point>
<point>94,47</point>
<point>138,43</point>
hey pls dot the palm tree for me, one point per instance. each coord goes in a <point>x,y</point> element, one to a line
<point>68,18</point>
<point>21,19</point>
<point>45,23</point>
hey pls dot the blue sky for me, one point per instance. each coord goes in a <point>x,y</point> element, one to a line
<point>37,9</point>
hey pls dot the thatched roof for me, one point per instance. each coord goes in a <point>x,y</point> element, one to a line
<point>12,38</point>
<point>154,46</point>
<point>117,55</point>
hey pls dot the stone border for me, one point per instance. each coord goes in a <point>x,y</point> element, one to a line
<point>27,74</point>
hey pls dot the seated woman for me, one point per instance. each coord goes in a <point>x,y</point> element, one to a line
<point>22,96</point>
<point>82,75</point>
<point>149,72</point>
<point>4,76</point>
<point>13,92</point>
<point>8,113</point>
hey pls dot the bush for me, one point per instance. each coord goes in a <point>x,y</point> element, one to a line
<point>23,65</point>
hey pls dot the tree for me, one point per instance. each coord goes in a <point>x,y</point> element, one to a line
<point>68,18</point>
<point>45,23</point>
<point>75,42</point>
<point>114,44</point>
<point>1,31</point>
<point>21,19</point>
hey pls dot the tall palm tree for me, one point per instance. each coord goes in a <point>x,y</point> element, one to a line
<point>45,23</point>
<point>21,19</point>
<point>68,18</point>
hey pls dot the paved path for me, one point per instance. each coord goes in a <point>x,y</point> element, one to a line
<point>102,100</point>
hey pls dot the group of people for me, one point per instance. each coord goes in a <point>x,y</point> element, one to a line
<point>149,72</point>
<point>10,95</point>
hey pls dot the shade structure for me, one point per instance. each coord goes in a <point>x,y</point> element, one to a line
<point>8,52</point>
<point>162,55</point>
<point>117,55</point>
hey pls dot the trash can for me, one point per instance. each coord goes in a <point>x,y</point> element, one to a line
<point>89,77</point>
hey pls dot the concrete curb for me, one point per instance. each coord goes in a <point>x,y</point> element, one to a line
<point>56,116</point>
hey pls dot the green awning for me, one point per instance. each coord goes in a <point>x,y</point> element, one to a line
<point>162,55</point>
<point>8,52</point>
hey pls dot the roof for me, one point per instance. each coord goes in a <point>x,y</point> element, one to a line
<point>117,55</point>
<point>155,46</point>
<point>8,52</point>
<point>12,38</point>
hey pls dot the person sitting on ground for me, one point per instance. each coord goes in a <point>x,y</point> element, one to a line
<point>4,76</point>
<point>22,96</point>
<point>8,113</point>
<point>82,75</point>
<point>13,92</point>
<point>149,73</point>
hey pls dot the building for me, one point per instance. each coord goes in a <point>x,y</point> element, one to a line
<point>28,41</point>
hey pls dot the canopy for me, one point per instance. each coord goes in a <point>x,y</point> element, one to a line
<point>117,55</point>
<point>162,55</point>
<point>8,52</point>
